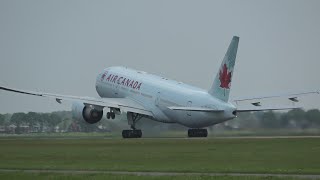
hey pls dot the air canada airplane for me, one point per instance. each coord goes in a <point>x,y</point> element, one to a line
<point>140,94</point>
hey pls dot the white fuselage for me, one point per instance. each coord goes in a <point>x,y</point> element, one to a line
<point>156,94</point>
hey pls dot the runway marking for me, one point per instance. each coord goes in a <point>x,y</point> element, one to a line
<point>143,173</point>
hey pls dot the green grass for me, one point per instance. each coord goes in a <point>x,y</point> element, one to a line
<point>35,176</point>
<point>298,156</point>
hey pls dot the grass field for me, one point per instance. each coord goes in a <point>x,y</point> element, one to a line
<point>283,156</point>
<point>36,176</point>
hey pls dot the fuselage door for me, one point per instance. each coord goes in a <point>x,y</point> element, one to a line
<point>116,90</point>
<point>157,100</point>
<point>189,104</point>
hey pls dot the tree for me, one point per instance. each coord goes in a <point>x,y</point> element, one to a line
<point>32,119</point>
<point>247,120</point>
<point>313,117</point>
<point>53,120</point>
<point>64,124</point>
<point>2,120</point>
<point>269,120</point>
<point>284,120</point>
<point>42,120</point>
<point>18,119</point>
<point>297,116</point>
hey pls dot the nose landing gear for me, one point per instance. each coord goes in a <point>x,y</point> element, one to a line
<point>111,115</point>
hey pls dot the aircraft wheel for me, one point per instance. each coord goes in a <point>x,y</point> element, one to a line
<point>108,115</point>
<point>131,133</point>
<point>197,133</point>
<point>112,115</point>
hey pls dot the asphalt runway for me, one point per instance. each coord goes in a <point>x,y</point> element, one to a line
<point>211,137</point>
<point>265,137</point>
<point>140,173</point>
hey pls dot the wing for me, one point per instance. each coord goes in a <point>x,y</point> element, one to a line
<point>201,109</point>
<point>292,97</point>
<point>265,109</point>
<point>256,101</point>
<point>124,104</point>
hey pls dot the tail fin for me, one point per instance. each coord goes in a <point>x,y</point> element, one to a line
<point>222,83</point>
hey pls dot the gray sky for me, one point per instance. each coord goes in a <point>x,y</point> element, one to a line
<point>60,46</point>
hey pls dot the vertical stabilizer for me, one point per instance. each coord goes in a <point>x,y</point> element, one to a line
<point>222,83</point>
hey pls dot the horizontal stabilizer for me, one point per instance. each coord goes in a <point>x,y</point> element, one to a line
<point>194,109</point>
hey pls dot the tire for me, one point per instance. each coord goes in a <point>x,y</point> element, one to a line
<point>197,133</point>
<point>131,134</point>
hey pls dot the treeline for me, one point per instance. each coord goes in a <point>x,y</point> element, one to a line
<point>63,121</point>
<point>294,119</point>
<point>33,122</point>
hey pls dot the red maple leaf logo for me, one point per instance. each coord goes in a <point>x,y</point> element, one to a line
<point>225,77</point>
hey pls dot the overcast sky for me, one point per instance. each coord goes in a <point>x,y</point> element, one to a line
<point>60,46</point>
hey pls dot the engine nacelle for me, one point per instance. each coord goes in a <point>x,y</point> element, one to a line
<point>88,113</point>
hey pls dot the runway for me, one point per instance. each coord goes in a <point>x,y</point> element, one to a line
<point>141,173</point>
<point>159,138</point>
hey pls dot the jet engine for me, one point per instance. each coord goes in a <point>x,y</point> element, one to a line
<point>88,113</point>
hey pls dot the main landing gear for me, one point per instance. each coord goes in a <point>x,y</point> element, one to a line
<point>197,133</point>
<point>133,118</point>
<point>132,133</point>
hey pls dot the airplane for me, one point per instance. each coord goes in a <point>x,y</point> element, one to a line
<point>140,94</point>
